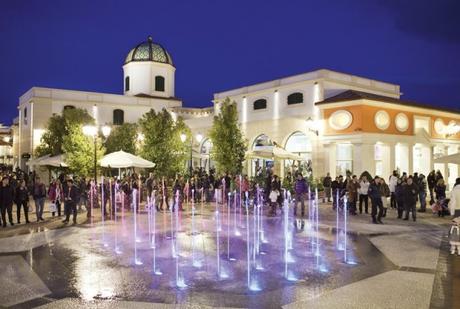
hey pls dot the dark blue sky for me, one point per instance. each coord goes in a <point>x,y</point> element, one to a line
<point>219,45</point>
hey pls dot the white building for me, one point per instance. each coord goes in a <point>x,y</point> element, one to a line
<point>354,123</point>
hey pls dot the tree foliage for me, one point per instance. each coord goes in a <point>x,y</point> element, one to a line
<point>162,144</point>
<point>58,127</point>
<point>122,137</point>
<point>79,150</point>
<point>229,146</point>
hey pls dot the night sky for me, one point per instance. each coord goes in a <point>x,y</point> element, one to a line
<point>220,45</point>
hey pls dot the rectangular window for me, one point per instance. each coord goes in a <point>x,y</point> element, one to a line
<point>344,159</point>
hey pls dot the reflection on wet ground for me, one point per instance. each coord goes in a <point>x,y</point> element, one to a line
<point>202,259</point>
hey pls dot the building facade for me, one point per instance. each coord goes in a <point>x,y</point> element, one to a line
<point>333,122</point>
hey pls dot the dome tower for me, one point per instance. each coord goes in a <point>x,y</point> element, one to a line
<point>148,70</point>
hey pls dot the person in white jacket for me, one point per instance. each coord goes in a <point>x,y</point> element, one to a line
<point>392,182</point>
<point>454,203</point>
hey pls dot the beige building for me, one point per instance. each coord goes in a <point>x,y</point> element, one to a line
<point>323,120</point>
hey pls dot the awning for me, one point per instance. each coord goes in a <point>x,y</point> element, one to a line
<point>47,160</point>
<point>274,152</point>
<point>453,158</point>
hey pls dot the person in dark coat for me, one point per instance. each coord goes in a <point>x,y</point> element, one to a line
<point>410,198</point>
<point>301,188</point>
<point>376,200</point>
<point>6,201</point>
<point>431,180</point>
<point>399,197</point>
<point>71,198</point>
<point>22,200</point>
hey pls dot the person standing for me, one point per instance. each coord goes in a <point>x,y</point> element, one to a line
<point>392,182</point>
<point>422,192</point>
<point>399,196</point>
<point>376,200</point>
<point>410,198</point>
<point>440,189</point>
<point>431,180</point>
<point>363,197</point>
<point>39,195</point>
<point>352,188</point>
<point>6,200</point>
<point>71,199</point>
<point>327,184</point>
<point>335,190</point>
<point>454,203</point>
<point>55,194</point>
<point>385,193</point>
<point>300,191</point>
<point>22,200</point>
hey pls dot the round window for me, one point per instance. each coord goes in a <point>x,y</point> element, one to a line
<point>382,120</point>
<point>340,120</point>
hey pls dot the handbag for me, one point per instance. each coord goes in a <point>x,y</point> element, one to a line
<point>53,207</point>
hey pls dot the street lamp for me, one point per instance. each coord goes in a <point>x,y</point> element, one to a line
<point>311,126</point>
<point>199,138</point>
<point>90,130</point>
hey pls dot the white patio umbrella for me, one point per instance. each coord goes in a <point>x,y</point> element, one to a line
<point>453,159</point>
<point>121,159</point>
<point>55,161</point>
<point>47,160</point>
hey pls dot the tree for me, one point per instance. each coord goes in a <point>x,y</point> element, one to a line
<point>162,144</point>
<point>122,137</point>
<point>79,150</point>
<point>58,127</point>
<point>229,146</point>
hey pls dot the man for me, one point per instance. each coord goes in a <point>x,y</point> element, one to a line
<point>431,179</point>
<point>376,199</point>
<point>301,189</point>
<point>39,195</point>
<point>410,198</point>
<point>392,182</point>
<point>327,183</point>
<point>71,198</point>
<point>6,200</point>
<point>363,197</point>
<point>422,192</point>
<point>352,188</point>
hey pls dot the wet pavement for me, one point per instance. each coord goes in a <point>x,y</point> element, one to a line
<point>203,262</point>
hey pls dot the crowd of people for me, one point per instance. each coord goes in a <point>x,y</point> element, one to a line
<point>66,196</point>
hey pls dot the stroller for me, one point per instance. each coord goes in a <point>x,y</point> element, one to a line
<point>441,207</point>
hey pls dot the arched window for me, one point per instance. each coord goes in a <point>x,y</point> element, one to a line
<point>118,117</point>
<point>66,107</point>
<point>127,83</point>
<point>260,104</point>
<point>295,98</point>
<point>159,83</point>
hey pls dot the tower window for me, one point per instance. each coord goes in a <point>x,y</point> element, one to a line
<point>159,83</point>
<point>295,98</point>
<point>260,104</point>
<point>118,117</point>
<point>127,83</point>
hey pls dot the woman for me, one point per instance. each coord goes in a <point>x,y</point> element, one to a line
<point>22,200</point>
<point>440,189</point>
<point>56,195</point>
<point>385,193</point>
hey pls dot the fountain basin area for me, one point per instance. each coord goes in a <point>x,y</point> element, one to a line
<point>215,256</point>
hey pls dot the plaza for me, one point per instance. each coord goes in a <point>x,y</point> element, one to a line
<point>93,264</point>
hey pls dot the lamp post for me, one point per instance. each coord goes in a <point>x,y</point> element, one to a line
<point>199,138</point>
<point>92,131</point>
<point>311,126</point>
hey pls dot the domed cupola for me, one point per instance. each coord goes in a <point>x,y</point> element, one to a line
<point>149,51</point>
<point>148,70</point>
